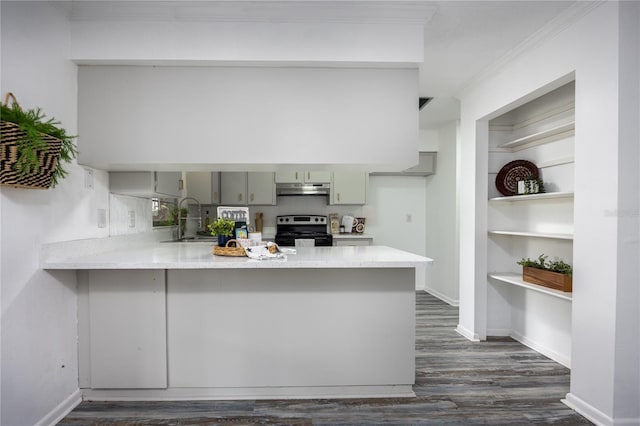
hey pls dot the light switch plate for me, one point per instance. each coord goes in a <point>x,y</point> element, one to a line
<point>88,179</point>
<point>132,219</point>
<point>102,218</point>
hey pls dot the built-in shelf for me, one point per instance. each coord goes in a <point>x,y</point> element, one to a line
<point>539,138</point>
<point>516,279</point>
<point>541,196</point>
<point>533,234</point>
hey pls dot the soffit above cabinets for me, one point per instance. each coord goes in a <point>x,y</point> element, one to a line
<point>255,11</point>
<point>141,118</point>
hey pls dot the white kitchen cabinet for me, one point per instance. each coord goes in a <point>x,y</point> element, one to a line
<point>526,226</point>
<point>352,240</point>
<point>204,186</point>
<point>261,188</point>
<point>233,188</point>
<point>303,177</point>
<point>127,329</point>
<point>147,184</point>
<point>349,187</point>
<point>242,188</point>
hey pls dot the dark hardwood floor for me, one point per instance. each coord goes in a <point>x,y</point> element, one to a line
<point>497,382</point>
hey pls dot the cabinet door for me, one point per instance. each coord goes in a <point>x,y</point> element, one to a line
<point>349,242</point>
<point>169,183</point>
<point>204,187</point>
<point>289,177</point>
<point>233,188</point>
<point>199,187</point>
<point>317,177</point>
<point>215,188</point>
<point>261,188</point>
<point>127,322</point>
<point>349,188</point>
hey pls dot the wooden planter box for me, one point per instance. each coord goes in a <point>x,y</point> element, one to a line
<point>548,279</point>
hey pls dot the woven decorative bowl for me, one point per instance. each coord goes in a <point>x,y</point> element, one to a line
<point>229,251</point>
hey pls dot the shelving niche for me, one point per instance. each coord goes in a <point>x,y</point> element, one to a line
<point>540,131</point>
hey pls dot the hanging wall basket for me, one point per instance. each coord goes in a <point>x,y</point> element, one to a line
<point>23,162</point>
<point>48,159</point>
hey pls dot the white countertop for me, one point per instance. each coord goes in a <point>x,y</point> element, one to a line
<point>200,256</point>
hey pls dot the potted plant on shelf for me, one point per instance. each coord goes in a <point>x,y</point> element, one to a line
<point>32,148</point>
<point>223,228</point>
<point>552,274</point>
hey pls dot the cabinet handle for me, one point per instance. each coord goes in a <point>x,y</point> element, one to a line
<point>180,184</point>
<point>338,194</point>
<point>240,197</point>
<point>308,175</point>
<point>296,175</point>
<point>252,196</point>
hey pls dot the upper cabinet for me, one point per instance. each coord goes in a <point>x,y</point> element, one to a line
<point>252,188</point>
<point>261,188</point>
<point>303,177</point>
<point>233,188</point>
<point>204,186</point>
<point>349,188</point>
<point>147,184</point>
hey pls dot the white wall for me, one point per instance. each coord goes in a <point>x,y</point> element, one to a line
<point>39,354</point>
<point>602,276</point>
<point>441,218</point>
<point>395,213</point>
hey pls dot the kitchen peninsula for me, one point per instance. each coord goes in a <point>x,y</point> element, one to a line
<point>162,321</point>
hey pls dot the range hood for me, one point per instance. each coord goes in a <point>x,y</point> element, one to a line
<point>303,188</point>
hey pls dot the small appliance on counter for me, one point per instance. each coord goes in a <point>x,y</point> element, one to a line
<point>348,222</point>
<point>290,228</point>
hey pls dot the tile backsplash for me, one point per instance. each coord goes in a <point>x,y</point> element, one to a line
<point>129,215</point>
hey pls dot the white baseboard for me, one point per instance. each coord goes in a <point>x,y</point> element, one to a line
<point>467,333</point>
<point>64,408</point>
<point>284,392</point>
<point>593,414</point>
<point>564,359</point>
<point>443,297</point>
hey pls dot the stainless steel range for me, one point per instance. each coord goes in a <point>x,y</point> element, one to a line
<point>290,228</point>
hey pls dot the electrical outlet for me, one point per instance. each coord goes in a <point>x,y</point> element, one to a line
<point>132,219</point>
<point>102,218</point>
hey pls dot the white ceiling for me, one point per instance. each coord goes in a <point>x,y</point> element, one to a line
<point>462,39</point>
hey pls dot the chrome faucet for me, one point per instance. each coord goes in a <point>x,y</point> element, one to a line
<point>179,234</point>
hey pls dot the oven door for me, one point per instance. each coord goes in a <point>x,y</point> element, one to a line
<point>318,240</point>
